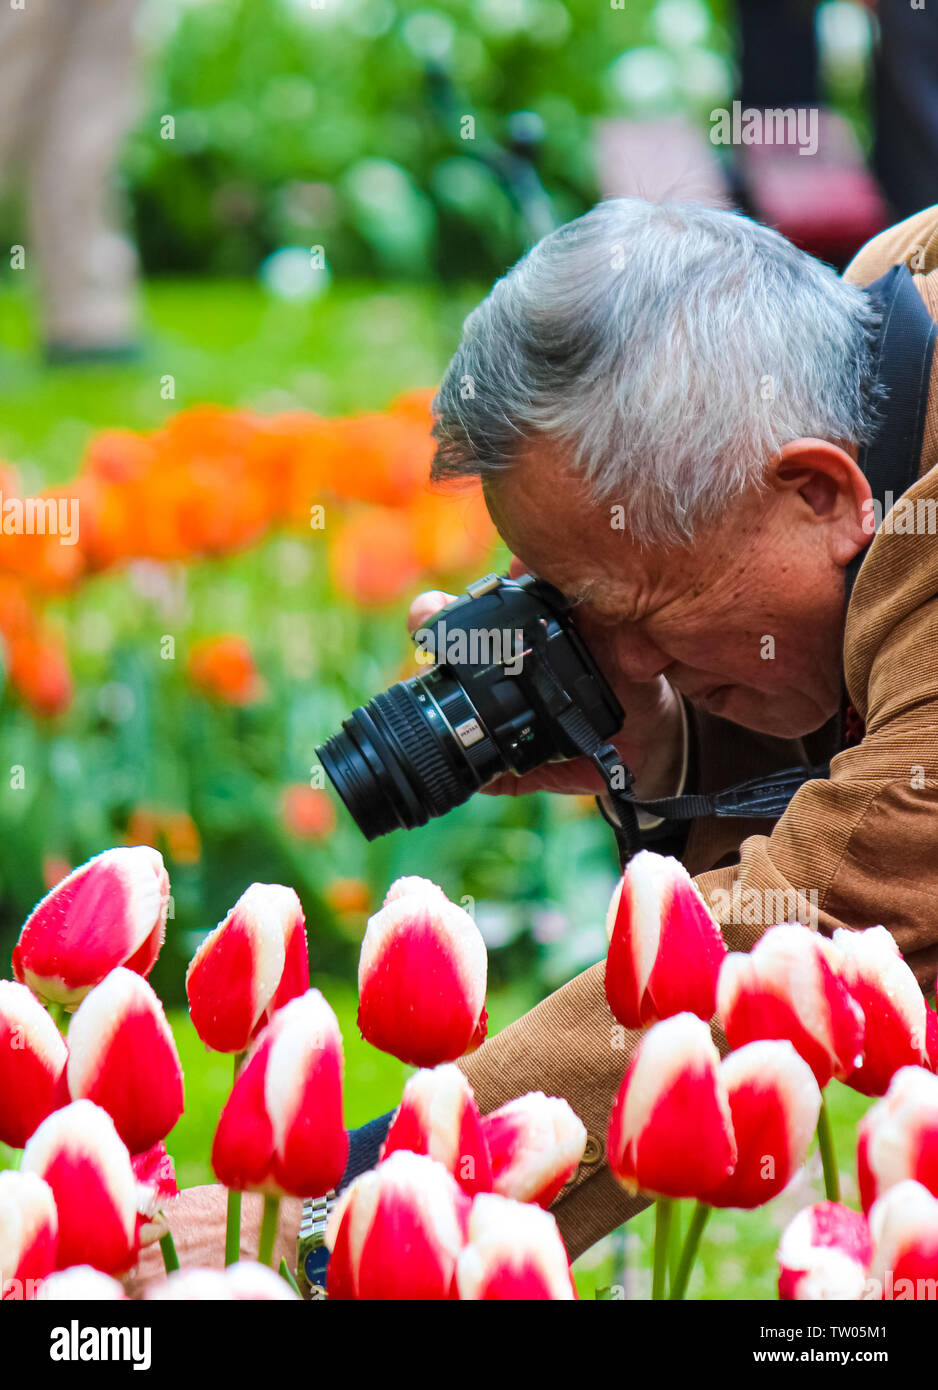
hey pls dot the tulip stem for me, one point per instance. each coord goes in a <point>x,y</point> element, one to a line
<point>233,1228</point>
<point>675,1245</point>
<point>168,1249</point>
<point>825,1139</point>
<point>285,1273</point>
<point>689,1253</point>
<point>663,1209</point>
<point>269,1222</point>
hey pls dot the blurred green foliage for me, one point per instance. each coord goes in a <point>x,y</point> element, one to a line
<point>298,124</point>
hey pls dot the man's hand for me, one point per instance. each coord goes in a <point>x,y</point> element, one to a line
<point>651,741</point>
<point>197,1220</point>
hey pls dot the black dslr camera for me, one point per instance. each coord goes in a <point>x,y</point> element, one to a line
<point>512,686</point>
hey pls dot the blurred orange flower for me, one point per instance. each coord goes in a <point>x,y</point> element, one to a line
<point>213,480</point>
<point>175,831</point>
<point>38,670</point>
<point>307,812</point>
<point>54,869</point>
<point>348,895</point>
<point>373,556</point>
<point>223,668</point>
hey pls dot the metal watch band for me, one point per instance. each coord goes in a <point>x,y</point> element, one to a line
<point>311,1253</point>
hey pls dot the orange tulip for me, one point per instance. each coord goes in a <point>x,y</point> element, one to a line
<point>307,812</point>
<point>223,669</point>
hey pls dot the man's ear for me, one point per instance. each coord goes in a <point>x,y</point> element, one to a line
<point>833,485</point>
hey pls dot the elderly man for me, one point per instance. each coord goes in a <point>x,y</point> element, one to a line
<point>694,429</point>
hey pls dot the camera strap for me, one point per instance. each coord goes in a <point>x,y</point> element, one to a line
<point>902,373</point>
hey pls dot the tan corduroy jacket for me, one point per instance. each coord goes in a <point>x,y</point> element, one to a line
<point>862,844</point>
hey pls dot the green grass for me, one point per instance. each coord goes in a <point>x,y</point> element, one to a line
<point>226,342</point>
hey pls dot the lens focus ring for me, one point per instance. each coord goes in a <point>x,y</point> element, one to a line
<point>423,754</point>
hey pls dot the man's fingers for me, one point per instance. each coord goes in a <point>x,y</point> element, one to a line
<point>425,605</point>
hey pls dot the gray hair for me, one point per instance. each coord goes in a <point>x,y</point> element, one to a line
<point>673,348</point>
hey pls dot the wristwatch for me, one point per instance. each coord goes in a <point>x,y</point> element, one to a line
<point>311,1253</point>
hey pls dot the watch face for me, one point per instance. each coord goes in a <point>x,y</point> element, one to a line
<point>314,1268</point>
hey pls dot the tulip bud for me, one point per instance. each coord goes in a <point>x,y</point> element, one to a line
<point>156,1188</point>
<point>193,1285</point>
<point>904,1227</point>
<point>514,1251</point>
<point>122,1055</point>
<point>895,1013</point>
<point>28,1233</point>
<point>774,1104</point>
<point>536,1143</point>
<point>80,1155</point>
<point>254,961</point>
<point>108,912</point>
<point>438,1116</point>
<point>788,987</point>
<point>32,1064</point>
<point>282,1129</point>
<point>82,1284</point>
<point>249,1280</point>
<point>410,884</point>
<point>242,1282</point>
<point>665,948</point>
<point>670,1132</point>
<point>898,1136</point>
<point>421,979</point>
<point>824,1253</point>
<point>396,1232</point>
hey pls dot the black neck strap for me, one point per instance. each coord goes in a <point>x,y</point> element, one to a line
<point>902,371</point>
<point>901,374</point>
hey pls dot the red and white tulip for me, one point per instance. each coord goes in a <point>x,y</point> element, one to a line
<point>671,1131</point>
<point>789,986</point>
<point>28,1233</point>
<point>514,1251</point>
<point>254,962</point>
<point>82,1284</point>
<point>108,912</point>
<point>397,1231</point>
<point>257,1283</point>
<point>904,1228</point>
<point>79,1153</point>
<point>422,978</point>
<point>536,1143</point>
<point>665,948</point>
<point>282,1128</point>
<point>32,1064</point>
<point>774,1105</point>
<point>156,1187</point>
<point>824,1253</point>
<point>438,1116</point>
<point>244,1281</point>
<point>895,1014</point>
<point>898,1136</point>
<point>122,1055</point>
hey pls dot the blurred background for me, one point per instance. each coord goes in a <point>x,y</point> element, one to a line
<point>243,236</point>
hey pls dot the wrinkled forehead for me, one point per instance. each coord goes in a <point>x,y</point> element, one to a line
<point>545,515</point>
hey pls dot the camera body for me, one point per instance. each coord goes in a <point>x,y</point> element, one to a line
<point>511,686</point>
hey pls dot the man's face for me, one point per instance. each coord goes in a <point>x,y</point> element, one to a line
<point>747,622</point>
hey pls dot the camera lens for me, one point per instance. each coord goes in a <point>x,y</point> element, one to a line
<point>399,760</point>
